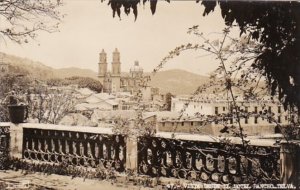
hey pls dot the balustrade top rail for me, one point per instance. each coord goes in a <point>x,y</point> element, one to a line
<point>5,124</point>
<point>254,140</point>
<point>84,129</point>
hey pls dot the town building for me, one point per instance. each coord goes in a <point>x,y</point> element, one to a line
<point>210,104</point>
<point>208,114</point>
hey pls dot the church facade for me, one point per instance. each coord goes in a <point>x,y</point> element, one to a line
<point>114,80</point>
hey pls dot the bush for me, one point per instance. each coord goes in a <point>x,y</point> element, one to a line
<point>85,82</point>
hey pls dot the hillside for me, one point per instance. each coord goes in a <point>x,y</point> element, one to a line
<point>177,81</point>
<point>41,71</point>
<point>36,69</point>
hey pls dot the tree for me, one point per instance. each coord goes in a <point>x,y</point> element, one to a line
<point>85,82</point>
<point>274,24</point>
<point>234,78</point>
<point>50,105</point>
<point>82,82</point>
<point>22,19</point>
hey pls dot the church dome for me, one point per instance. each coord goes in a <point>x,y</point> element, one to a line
<point>136,67</point>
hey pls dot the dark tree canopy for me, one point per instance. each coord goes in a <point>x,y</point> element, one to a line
<point>85,82</point>
<point>129,5</point>
<point>274,24</point>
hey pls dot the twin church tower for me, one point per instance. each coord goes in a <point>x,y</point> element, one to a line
<point>110,80</point>
<point>114,80</point>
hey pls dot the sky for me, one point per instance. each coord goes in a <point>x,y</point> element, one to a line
<point>89,27</point>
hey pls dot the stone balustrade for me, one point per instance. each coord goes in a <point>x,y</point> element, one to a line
<point>76,146</point>
<point>207,159</point>
<point>184,156</point>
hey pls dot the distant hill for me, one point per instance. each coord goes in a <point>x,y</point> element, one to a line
<point>35,68</point>
<point>41,71</point>
<point>177,81</point>
<point>74,71</point>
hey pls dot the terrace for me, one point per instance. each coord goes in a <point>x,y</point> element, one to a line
<point>69,150</point>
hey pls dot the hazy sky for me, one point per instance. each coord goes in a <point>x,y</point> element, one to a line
<point>89,27</point>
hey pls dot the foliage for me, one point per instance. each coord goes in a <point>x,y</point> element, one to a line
<point>55,82</point>
<point>17,80</point>
<point>99,173</point>
<point>116,6</point>
<point>63,169</point>
<point>49,105</point>
<point>85,82</point>
<point>235,77</point>
<point>138,127</point>
<point>15,83</point>
<point>276,26</point>
<point>21,20</point>
<point>81,82</point>
<point>45,104</point>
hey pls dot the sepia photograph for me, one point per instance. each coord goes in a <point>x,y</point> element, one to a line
<point>149,94</point>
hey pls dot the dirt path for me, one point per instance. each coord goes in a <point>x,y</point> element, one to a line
<point>59,182</point>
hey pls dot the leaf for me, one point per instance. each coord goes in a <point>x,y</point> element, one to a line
<point>153,6</point>
<point>209,6</point>
<point>225,130</point>
<point>255,35</point>
<point>135,12</point>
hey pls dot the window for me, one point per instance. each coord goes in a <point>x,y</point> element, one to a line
<point>231,121</point>
<point>192,123</point>
<point>246,120</point>
<point>163,124</point>
<point>216,110</point>
<point>255,109</point>
<point>246,109</point>
<point>224,108</point>
<point>182,123</point>
<point>255,120</point>
<point>277,129</point>
<point>173,123</point>
<point>279,119</point>
<point>279,109</point>
<point>270,109</point>
<point>286,117</point>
